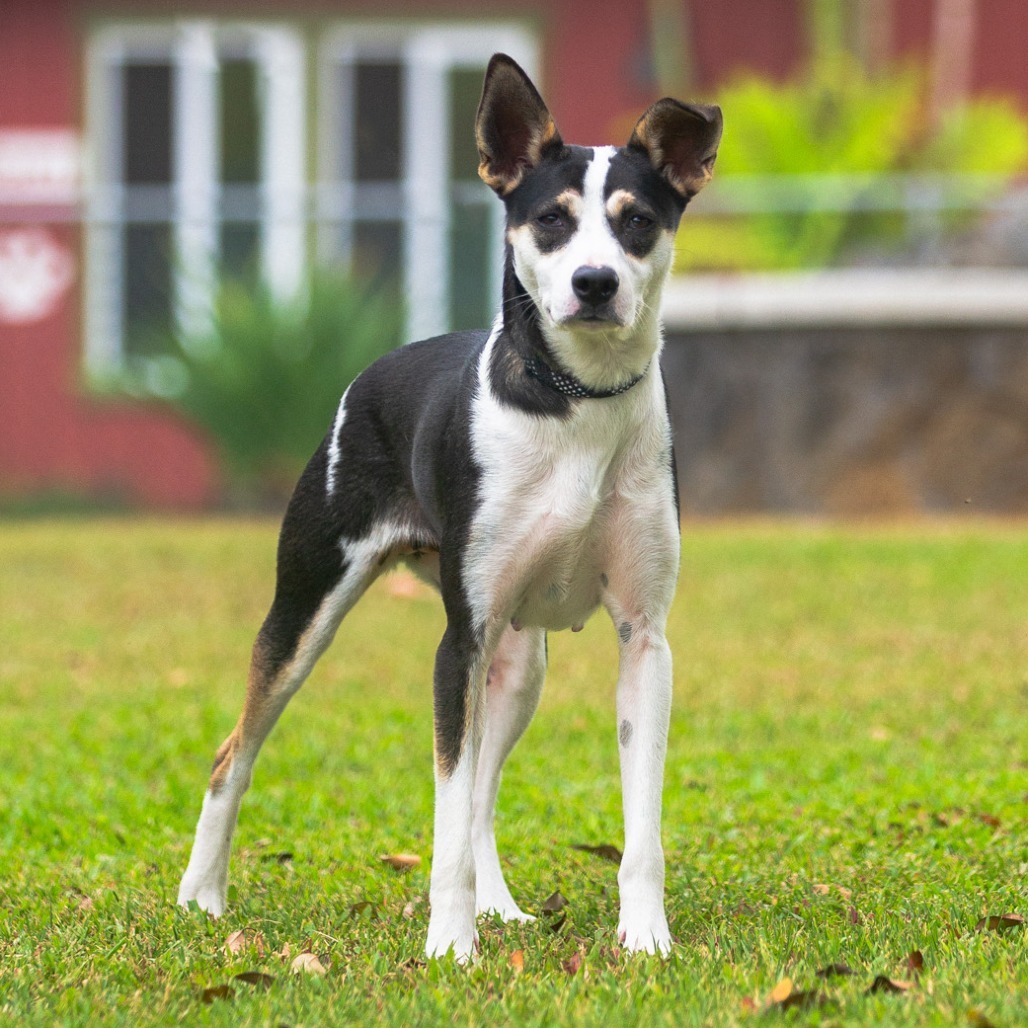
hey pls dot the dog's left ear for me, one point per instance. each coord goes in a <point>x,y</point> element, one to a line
<point>513,126</point>
<point>681,142</point>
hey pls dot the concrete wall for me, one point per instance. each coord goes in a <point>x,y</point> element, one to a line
<point>851,420</point>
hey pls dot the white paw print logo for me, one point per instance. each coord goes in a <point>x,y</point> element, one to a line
<point>35,271</point>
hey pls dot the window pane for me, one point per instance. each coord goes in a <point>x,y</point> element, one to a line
<point>378,251</point>
<point>147,284</point>
<point>240,122</point>
<point>472,304</point>
<point>465,91</point>
<point>378,117</point>
<point>240,243</point>
<point>147,123</point>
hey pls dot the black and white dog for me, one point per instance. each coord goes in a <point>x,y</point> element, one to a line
<point>528,473</point>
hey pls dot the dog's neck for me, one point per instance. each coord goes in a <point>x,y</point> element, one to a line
<point>543,371</point>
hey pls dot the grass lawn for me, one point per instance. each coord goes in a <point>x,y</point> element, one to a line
<point>847,784</point>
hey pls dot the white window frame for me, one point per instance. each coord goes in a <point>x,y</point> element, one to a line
<point>193,47</point>
<point>428,52</point>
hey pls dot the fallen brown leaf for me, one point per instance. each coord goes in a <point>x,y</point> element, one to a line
<point>781,991</point>
<point>606,851</point>
<point>255,978</point>
<point>401,861</point>
<point>572,964</point>
<point>883,983</point>
<point>554,902</point>
<point>802,999</point>
<point>517,960</point>
<point>242,940</point>
<point>282,857</point>
<point>835,971</point>
<point>915,961</point>
<point>999,923</point>
<point>217,992</point>
<point>307,963</point>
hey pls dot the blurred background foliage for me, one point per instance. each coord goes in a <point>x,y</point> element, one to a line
<point>837,166</point>
<point>264,378</point>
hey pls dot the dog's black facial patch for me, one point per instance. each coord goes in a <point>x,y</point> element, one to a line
<point>654,199</point>
<point>537,195</point>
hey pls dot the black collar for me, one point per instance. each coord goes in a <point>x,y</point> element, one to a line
<point>568,385</point>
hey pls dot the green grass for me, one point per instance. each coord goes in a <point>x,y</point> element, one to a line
<point>846,783</point>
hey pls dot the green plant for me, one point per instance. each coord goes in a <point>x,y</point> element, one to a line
<point>809,163</point>
<point>265,381</point>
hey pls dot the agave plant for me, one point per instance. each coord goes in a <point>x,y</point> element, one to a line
<point>265,380</point>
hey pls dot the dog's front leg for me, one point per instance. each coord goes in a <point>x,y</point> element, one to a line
<point>643,711</point>
<point>459,701</point>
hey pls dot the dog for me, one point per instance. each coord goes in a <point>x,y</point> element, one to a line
<point>528,473</point>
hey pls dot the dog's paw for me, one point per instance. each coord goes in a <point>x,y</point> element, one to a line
<point>208,897</point>
<point>462,945</point>
<point>645,937</point>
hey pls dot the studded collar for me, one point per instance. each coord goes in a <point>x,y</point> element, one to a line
<point>568,385</point>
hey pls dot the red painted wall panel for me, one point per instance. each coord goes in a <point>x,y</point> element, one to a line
<point>53,436</point>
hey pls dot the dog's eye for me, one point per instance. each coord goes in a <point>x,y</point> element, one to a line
<point>551,219</point>
<point>639,221</point>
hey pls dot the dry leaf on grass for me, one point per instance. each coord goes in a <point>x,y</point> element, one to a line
<point>554,902</point>
<point>217,992</point>
<point>307,963</point>
<point>282,857</point>
<point>883,983</point>
<point>517,960</point>
<point>915,961</point>
<point>364,908</point>
<point>781,991</point>
<point>255,978</point>
<point>999,923</point>
<point>572,964</point>
<point>606,851</point>
<point>835,971</point>
<point>400,861</point>
<point>242,940</point>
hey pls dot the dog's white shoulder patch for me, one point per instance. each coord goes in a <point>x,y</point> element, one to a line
<point>334,447</point>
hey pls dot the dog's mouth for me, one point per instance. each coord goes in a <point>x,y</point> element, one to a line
<point>594,317</point>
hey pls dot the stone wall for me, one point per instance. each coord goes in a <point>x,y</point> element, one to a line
<point>850,420</point>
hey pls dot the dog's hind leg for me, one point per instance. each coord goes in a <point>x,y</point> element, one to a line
<point>320,577</point>
<point>513,686</point>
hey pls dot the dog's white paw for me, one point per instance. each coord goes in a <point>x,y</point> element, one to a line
<point>444,940</point>
<point>209,896</point>
<point>645,935</point>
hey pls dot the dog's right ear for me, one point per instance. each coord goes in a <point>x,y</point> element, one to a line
<point>513,127</point>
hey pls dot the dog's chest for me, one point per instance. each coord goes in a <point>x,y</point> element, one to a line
<point>550,492</point>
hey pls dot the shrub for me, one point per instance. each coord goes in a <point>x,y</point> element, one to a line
<point>808,162</point>
<point>265,381</point>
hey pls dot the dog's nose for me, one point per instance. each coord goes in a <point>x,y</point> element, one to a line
<point>594,285</point>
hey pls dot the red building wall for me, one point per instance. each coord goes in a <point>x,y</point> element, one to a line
<point>597,72</point>
<point>54,436</point>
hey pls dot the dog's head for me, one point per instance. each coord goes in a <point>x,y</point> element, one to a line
<point>591,229</point>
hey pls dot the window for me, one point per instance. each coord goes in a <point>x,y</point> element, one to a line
<point>197,136</point>
<point>399,195</point>
<point>197,159</point>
